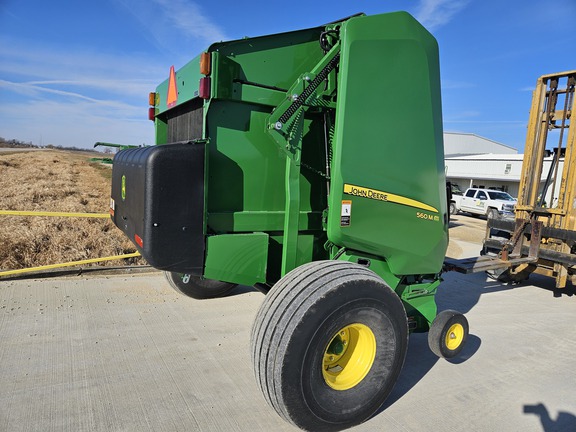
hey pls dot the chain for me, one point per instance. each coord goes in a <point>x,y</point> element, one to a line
<point>315,171</point>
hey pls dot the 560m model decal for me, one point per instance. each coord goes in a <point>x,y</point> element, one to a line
<point>385,196</point>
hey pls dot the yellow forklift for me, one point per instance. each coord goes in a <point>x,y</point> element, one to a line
<point>541,238</point>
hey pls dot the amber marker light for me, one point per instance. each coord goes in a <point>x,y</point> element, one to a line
<point>205,63</point>
<point>152,98</point>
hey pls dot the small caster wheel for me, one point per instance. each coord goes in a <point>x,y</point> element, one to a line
<point>448,334</point>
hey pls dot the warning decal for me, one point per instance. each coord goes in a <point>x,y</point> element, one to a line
<point>385,196</point>
<point>346,213</point>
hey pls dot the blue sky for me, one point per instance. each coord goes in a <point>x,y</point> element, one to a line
<point>76,72</point>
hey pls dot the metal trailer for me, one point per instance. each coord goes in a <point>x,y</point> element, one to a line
<point>310,165</point>
<point>541,238</point>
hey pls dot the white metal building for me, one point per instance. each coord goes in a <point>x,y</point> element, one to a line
<point>474,161</point>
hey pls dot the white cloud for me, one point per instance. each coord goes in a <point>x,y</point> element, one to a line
<point>187,17</point>
<point>177,27</point>
<point>436,13</point>
<point>36,91</point>
<point>75,95</point>
<point>127,75</point>
<point>33,89</point>
<point>79,123</point>
<point>72,98</point>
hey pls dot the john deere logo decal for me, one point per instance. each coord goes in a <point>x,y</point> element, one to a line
<point>123,193</point>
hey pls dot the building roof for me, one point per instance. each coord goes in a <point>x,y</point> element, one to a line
<point>464,144</point>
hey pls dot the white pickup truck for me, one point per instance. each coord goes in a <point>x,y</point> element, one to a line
<point>488,202</point>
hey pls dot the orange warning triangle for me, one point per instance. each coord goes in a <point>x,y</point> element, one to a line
<point>172,90</point>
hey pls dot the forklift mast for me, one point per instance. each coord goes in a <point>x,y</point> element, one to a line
<point>543,234</point>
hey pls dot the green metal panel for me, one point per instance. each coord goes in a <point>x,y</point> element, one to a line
<point>161,131</point>
<point>246,171</point>
<point>247,178</point>
<point>187,82</point>
<point>380,99</point>
<point>238,258</point>
<point>256,64</point>
<point>248,221</point>
<point>417,294</point>
<point>374,263</point>
<point>388,152</point>
<point>419,302</point>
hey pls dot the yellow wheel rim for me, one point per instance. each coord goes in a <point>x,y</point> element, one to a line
<point>454,336</point>
<point>349,356</point>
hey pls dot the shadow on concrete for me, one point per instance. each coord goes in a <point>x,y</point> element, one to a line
<point>546,283</point>
<point>472,346</point>
<point>420,360</point>
<point>561,292</point>
<point>462,293</point>
<point>458,292</point>
<point>564,422</point>
<point>549,284</point>
<point>454,223</point>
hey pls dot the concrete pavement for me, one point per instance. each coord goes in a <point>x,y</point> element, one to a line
<point>126,353</point>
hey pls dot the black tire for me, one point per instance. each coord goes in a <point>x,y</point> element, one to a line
<point>448,334</point>
<point>196,287</point>
<point>453,209</point>
<point>300,359</point>
<point>492,213</point>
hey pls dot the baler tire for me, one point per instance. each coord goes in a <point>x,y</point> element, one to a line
<point>196,287</point>
<point>448,334</point>
<point>328,344</point>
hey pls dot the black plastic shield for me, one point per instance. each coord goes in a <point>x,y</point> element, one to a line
<point>158,202</point>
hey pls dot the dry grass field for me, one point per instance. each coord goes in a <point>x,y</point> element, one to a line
<point>63,181</point>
